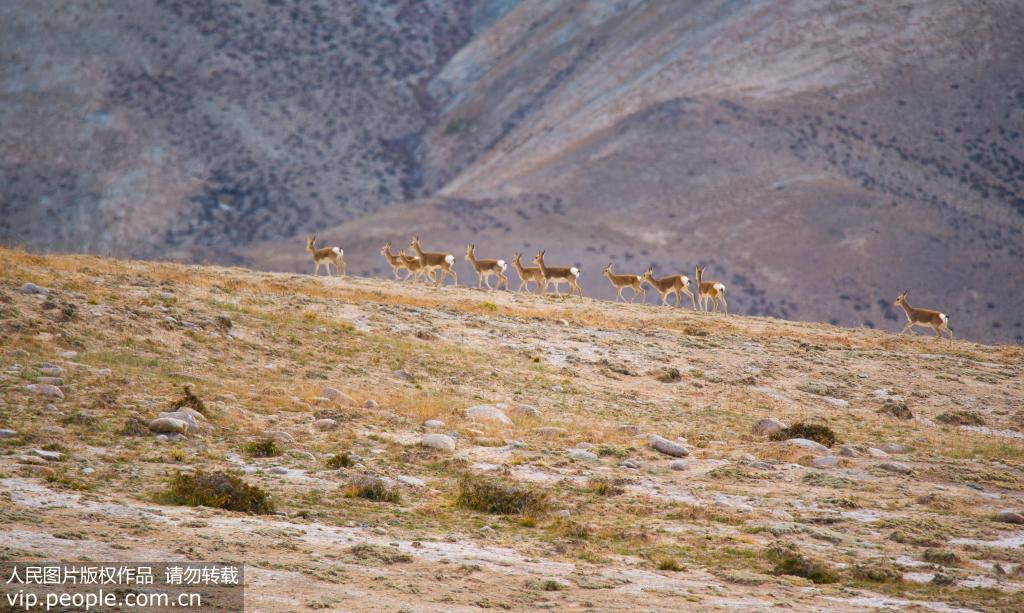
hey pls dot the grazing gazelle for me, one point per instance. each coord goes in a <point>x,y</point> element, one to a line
<point>559,275</point>
<point>395,262</point>
<point>415,266</point>
<point>621,282</point>
<point>923,317</point>
<point>441,262</point>
<point>326,256</point>
<point>485,268</point>
<point>672,284</point>
<point>527,273</point>
<point>710,290</point>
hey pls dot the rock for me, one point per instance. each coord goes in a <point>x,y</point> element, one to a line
<point>486,412</point>
<point>761,465</point>
<point>582,454</point>
<point>829,461</point>
<point>411,481</point>
<point>167,425</point>
<point>166,295</point>
<point>563,513</point>
<point>629,429</point>
<point>403,375</point>
<point>766,426</point>
<point>5,433</point>
<point>306,455</point>
<point>192,424</point>
<point>50,381</point>
<point>877,453</point>
<point>847,452</point>
<point>679,465</point>
<point>438,441</point>
<point>51,370</point>
<point>747,458</point>
<point>781,514</point>
<point>895,448</point>
<point>631,463</point>
<point>1010,517</point>
<point>526,410</point>
<point>69,355</point>
<point>433,423</point>
<point>370,404</point>
<point>278,470</point>
<point>103,372</point>
<point>549,431</point>
<point>584,445</point>
<point>325,424</point>
<point>836,402</point>
<point>52,456</point>
<point>45,390</point>
<point>662,444</point>
<point>32,288</point>
<point>52,430</point>
<point>807,444</point>
<point>88,470</point>
<point>896,467</point>
<point>336,395</point>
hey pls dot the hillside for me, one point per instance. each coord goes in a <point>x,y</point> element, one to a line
<point>903,510</point>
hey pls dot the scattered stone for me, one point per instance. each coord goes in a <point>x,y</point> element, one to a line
<point>630,429</point>
<point>836,402</point>
<point>403,375</point>
<point>88,470</point>
<point>829,461</point>
<point>662,444</point>
<point>486,412</point>
<point>5,433</point>
<point>847,452</point>
<point>370,404</point>
<point>896,467</point>
<point>679,465</point>
<point>747,458</point>
<point>52,430</point>
<point>52,456</point>
<point>325,424</point>
<point>50,381</point>
<point>759,465</point>
<point>767,425</point>
<point>336,395</point>
<point>433,423</point>
<point>895,448</point>
<point>1010,517</point>
<point>631,463</point>
<point>32,288</point>
<point>411,481</point>
<point>69,355</point>
<point>526,410</point>
<point>51,370</point>
<point>166,295</point>
<point>44,389</point>
<point>807,444</point>
<point>563,513</point>
<point>877,453</point>
<point>167,425</point>
<point>550,431</point>
<point>438,441</point>
<point>278,470</point>
<point>103,372</point>
<point>582,454</point>
<point>584,445</point>
<point>280,436</point>
<point>191,423</point>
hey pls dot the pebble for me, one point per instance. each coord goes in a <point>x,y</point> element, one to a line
<point>325,424</point>
<point>32,288</point>
<point>582,454</point>
<point>486,412</point>
<point>549,431</point>
<point>45,390</point>
<point>280,436</point>
<point>829,461</point>
<point>563,513</point>
<point>438,441</point>
<point>403,375</point>
<point>69,355</point>
<point>847,452</point>
<point>51,370</point>
<point>679,465</point>
<point>807,444</point>
<point>1010,517</point>
<point>191,423</point>
<point>766,426</point>
<point>896,467</point>
<point>52,456</point>
<point>526,410</point>
<point>336,395</point>
<point>631,463</point>
<point>370,404</point>
<point>662,444</point>
<point>433,423</point>
<point>88,470</point>
<point>411,481</point>
<point>168,425</point>
<point>103,372</point>
<point>630,429</point>
<point>895,448</point>
<point>50,381</point>
<point>759,465</point>
<point>5,433</point>
<point>278,470</point>
<point>877,453</point>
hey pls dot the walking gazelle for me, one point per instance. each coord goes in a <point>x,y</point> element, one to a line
<point>559,275</point>
<point>710,290</point>
<point>621,282</point>
<point>923,317</point>
<point>672,284</point>
<point>527,273</point>
<point>441,262</point>
<point>415,266</point>
<point>326,256</point>
<point>485,268</point>
<point>395,262</point>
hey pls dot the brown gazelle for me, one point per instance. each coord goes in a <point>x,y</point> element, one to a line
<point>415,266</point>
<point>672,284</point>
<point>710,290</point>
<point>621,282</point>
<point>436,260</point>
<point>527,273</point>
<point>326,256</point>
<point>559,275</point>
<point>485,268</point>
<point>923,317</point>
<point>395,261</point>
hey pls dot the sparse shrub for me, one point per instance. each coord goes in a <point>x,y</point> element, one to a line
<point>490,307</point>
<point>340,460</point>
<point>961,418</point>
<point>493,496</point>
<point>190,400</point>
<point>387,555</point>
<point>942,557</point>
<point>219,490</point>
<point>603,487</point>
<point>877,569</point>
<point>135,426</point>
<point>670,564</point>
<point>372,487</point>
<point>264,448</point>
<point>822,479</point>
<point>609,450</point>
<point>668,375</point>
<point>896,408</point>
<point>576,530</point>
<point>920,532</point>
<point>790,561</point>
<point>815,432</point>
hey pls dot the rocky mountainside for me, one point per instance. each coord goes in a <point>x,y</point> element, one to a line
<point>390,446</point>
<point>817,157</point>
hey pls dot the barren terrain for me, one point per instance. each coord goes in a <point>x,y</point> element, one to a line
<point>910,508</point>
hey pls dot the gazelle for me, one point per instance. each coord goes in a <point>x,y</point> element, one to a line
<point>326,256</point>
<point>559,275</point>
<point>485,268</point>
<point>415,266</point>
<point>527,273</point>
<point>710,290</point>
<point>436,260</point>
<point>923,317</point>
<point>672,284</point>
<point>395,261</point>
<point>621,282</point>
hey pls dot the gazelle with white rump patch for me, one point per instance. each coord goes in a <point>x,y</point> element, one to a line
<point>486,268</point>
<point>527,273</point>
<point>395,261</point>
<point>923,317</point>
<point>435,261</point>
<point>672,284</point>
<point>710,291</point>
<point>415,266</point>
<point>621,282</point>
<point>326,256</point>
<point>559,275</point>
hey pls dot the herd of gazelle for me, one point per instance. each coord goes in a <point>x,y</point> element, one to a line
<point>438,264</point>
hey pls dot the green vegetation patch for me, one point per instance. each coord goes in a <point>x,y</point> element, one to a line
<point>219,490</point>
<point>492,496</point>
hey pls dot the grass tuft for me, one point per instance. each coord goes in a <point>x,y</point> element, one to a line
<point>371,487</point>
<point>790,561</point>
<point>493,496</point>
<point>219,490</point>
<point>264,448</point>
<point>815,432</point>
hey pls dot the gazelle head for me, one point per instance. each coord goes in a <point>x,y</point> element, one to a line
<point>471,251</point>
<point>311,242</point>
<point>539,258</point>
<point>386,249</point>
<point>901,300</point>
<point>607,269</point>
<point>414,242</point>
<point>650,272</point>
<point>517,257</point>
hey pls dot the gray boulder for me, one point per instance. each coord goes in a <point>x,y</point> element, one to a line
<point>44,389</point>
<point>32,288</point>
<point>168,425</point>
<point>662,444</point>
<point>438,441</point>
<point>767,425</point>
<point>807,444</point>
<point>488,413</point>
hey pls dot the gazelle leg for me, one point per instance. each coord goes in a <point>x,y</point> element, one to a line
<point>937,333</point>
<point>905,328</point>
<point>725,306</point>
<point>690,294</point>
